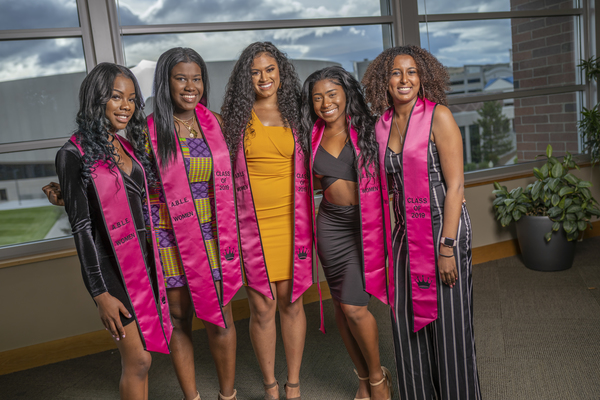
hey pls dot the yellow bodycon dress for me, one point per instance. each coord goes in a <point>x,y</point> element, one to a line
<point>270,158</point>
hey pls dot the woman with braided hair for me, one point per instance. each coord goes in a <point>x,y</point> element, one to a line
<point>420,149</point>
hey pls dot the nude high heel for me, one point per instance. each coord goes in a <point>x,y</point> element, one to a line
<point>386,378</point>
<point>360,378</point>
<point>269,386</point>
<point>292,385</point>
<point>232,397</point>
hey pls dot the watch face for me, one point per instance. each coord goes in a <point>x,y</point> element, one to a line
<point>449,242</point>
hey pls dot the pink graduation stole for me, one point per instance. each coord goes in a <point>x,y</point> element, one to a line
<point>417,205</point>
<point>255,267</point>
<point>186,225</point>
<point>153,317</point>
<point>371,218</point>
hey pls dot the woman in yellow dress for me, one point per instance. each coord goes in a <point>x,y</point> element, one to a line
<point>261,111</point>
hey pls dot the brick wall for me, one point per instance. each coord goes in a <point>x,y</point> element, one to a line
<point>543,55</point>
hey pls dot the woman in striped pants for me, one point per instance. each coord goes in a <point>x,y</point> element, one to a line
<point>420,148</point>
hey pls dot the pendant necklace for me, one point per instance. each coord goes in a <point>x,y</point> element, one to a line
<point>190,128</point>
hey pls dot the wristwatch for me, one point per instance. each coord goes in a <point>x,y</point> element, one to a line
<point>448,242</point>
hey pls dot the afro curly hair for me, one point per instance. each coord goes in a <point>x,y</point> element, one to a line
<point>433,75</point>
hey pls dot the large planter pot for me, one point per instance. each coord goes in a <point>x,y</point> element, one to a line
<point>538,254</point>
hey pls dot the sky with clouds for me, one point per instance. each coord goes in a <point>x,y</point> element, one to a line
<point>454,43</point>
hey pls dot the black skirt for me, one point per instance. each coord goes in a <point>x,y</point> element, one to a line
<point>339,244</point>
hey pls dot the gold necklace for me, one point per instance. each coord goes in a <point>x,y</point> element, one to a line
<point>343,130</point>
<point>190,128</point>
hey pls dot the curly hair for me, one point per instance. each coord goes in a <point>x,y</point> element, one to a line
<point>434,77</point>
<point>163,105</point>
<point>93,126</point>
<point>356,109</point>
<point>240,96</point>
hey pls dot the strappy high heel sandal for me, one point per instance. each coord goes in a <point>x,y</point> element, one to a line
<point>232,397</point>
<point>195,398</point>
<point>360,378</point>
<point>270,386</point>
<point>386,378</point>
<point>292,385</point>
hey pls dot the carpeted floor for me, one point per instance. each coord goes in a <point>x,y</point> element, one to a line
<point>538,337</point>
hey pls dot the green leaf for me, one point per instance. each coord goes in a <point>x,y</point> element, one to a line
<point>565,190</point>
<point>538,174</point>
<point>535,190</point>
<point>497,186</point>
<point>554,212</point>
<point>508,202</point>
<point>584,184</point>
<point>549,151</point>
<point>586,193</point>
<point>553,183</point>
<point>548,236</point>
<point>568,202</point>
<point>544,170</point>
<point>569,226</point>
<point>573,235</point>
<point>594,211</point>
<point>498,201</point>
<point>521,208</point>
<point>573,209</point>
<point>582,225</point>
<point>556,226</point>
<point>555,199</point>
<point>516,214</point>
<point>571,217</point>
<point>516,192</point>
<point>557,170</point>
<point>506,220</point>
<point>572,179</point>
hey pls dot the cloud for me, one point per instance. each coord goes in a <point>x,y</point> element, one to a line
<point>38,14</point>
<point>20,59</point>
<point>469,42</point>
<point>462,6</point>
<point>170,11</point>
<point>340,44</point>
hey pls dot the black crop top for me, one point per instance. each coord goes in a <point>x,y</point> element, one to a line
<point>333,168</point>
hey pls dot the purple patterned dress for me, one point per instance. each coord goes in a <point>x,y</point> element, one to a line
<point>198,163</point>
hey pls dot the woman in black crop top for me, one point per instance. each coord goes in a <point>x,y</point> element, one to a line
<point>331,98</point>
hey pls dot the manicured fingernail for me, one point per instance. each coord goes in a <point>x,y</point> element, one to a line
<point>117,338</point>
<point>123,336</point>
<point>129,316</point>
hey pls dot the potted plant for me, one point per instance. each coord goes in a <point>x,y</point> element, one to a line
<point>551,213</point>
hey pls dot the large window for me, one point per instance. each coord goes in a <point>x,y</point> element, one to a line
<point>514,82</point>
<point>42,64</point>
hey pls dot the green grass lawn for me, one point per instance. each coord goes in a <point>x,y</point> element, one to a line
<point>28,224</point>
